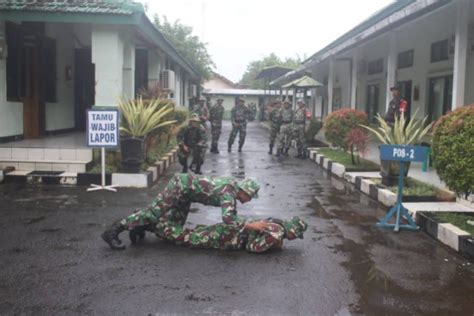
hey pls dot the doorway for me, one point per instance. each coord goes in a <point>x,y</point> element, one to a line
<point>440,96</point>
<point>84,86</point>
<point>372,108</point>
<point>406,93</point>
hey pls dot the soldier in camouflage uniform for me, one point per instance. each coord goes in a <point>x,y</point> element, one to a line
<point>255,236</point>
<point>284,138</point>
<point>238,117</point>
<point>215,117</point>
<point>192,142</point>
<point>299,127</point>
<point>275,121</point>
<point>202,111</point>
<point>173,203</point>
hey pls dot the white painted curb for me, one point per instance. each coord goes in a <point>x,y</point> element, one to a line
<point>449,234</point>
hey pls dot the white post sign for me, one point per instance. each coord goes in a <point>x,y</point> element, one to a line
<point>103,131</point>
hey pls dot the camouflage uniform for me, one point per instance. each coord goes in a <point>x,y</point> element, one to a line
<point>215,117</point>
<point>233,236</point>
<point>173,203</point>
<point>275,121</point>
<point>299,124</point>
<point>238,116</point>
<point>284,138</point>
<point>195,139</point>
<point>203,112</point>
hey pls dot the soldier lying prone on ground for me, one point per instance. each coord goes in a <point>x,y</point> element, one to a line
<point>256,236</point>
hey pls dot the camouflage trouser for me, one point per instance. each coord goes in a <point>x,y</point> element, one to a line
<point>242,130</point>
<point>299,136</point>
<point>221,236</point>
<point>169,205</point>
<point>274,130</point>
<point>198,153</point>
<point>216,130</point>
<point>284,138</point>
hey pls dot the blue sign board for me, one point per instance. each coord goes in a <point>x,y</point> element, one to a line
<point>103,129</point>
<point>403,153</point>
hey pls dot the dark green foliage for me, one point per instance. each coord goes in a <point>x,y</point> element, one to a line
<point>181,115</point>
<point>453,150</point>
<point>314,127</point>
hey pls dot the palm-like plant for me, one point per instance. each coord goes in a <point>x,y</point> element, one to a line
<point>402,132</point>
<point>141,118</point>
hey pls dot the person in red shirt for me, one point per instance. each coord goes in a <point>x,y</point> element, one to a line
<point>398,106</point>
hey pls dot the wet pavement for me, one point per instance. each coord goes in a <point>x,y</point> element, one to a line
<point>53,261</point>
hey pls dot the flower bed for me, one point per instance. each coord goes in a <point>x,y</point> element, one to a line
<point>344,158</point>
<point>457,219</point>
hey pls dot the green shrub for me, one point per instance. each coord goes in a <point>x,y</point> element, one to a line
<point>338,124</point>
<point>453,149</point>
<point>181,115</point>
<point>314,127</point>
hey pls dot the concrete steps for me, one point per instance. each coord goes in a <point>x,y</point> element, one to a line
<point>45,159</point>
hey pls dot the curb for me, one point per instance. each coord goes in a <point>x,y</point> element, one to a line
<point>450,235</point>
<point>143,179</point>
<point>447,233</point>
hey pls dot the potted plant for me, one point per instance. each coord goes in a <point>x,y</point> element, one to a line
<point>139,119</point>
<point>402,132</point>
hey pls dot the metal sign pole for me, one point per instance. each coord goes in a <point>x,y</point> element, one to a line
<point>103,186</point>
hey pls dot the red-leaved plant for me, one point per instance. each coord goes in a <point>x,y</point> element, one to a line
<point>356,140</point>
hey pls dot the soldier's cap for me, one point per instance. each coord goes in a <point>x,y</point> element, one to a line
<point>194,118</point>
<point>202,98</point>
<point>296,226</point>
<point>249,186</point>
<point>286,102</point>
<point>300,100</point>
<point>277,101</point>
<point>397,88</point>
<point>220,98</point>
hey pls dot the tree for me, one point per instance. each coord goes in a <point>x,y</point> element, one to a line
<point>254,67</point>
<point>189,46</point>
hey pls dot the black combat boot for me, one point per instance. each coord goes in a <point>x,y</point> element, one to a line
<point>270,151</point>
<point>229,148</point>
<point>240,148</point>
<point>110,236</point>
<point>299,154</point>
<point>217,150</point>
<point>285,153</point>
<point>278,154</point>
<point>185,169</point>
<point>198,169</point>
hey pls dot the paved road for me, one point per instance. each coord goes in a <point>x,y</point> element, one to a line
<point>53,262</point>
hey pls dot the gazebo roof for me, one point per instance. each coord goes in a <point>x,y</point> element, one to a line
<point>303,82</point>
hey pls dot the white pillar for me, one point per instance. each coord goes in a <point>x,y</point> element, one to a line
<point>353,87</point>
<point>460,53</point>
<point>330,84</point>
<point>107,55</point>
<point>128,87</point>
<point>391,67</point>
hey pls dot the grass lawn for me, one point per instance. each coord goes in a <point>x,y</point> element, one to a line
<point>344,158</point>
<point>457,219</point>
<point>413,188</point>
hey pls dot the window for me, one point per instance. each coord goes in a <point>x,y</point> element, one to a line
<point>405,59</point>
<point>375,67</point>
<point>15,82</point>
<point>440,51</point>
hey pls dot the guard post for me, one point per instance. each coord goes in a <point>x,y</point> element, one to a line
<point>401,153</point>
<point>102,132</point>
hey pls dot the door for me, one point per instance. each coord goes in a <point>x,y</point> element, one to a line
<point>405,92</point>
<point>84,86</point>
<point>33,95</point>
<point>440,96</point>
<point>372,108</point>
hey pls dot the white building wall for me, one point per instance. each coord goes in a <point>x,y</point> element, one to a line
<point>107,55</point>
<point>60,114</point>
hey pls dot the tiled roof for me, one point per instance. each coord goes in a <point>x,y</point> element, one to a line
<point>71,6</point>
